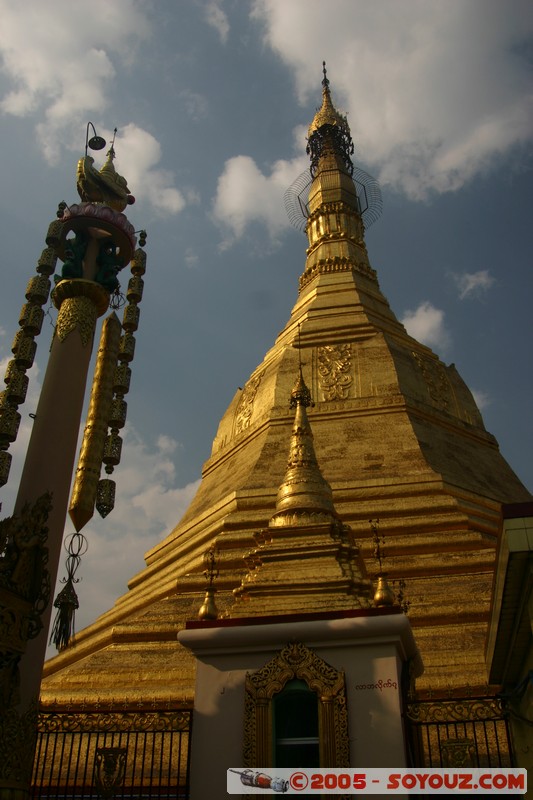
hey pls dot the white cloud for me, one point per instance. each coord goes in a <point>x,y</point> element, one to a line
<point>138,153</point>
<point>63,62</point>
<point>426,324</point>
<point>245,194</point>
<point>473,284</point>
<point>434,91</point>
<point>216,17</point>
<point>61,57</point>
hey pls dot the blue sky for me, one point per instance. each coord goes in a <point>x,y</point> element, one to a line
<point>212,101</point>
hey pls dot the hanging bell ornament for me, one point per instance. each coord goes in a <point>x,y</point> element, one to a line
<point>384,596</point>
<point>208,609</point>
<point>105,496</point>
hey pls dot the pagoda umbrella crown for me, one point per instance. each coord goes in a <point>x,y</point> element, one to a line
<point>329,132</point>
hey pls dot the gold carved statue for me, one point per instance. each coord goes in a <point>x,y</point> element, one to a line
<point>105,185</point>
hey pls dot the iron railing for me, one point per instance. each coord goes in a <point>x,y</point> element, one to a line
<point>459,732</point>
<point>130,754</point>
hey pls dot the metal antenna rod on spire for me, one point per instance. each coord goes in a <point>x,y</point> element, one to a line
<point>325,81</point>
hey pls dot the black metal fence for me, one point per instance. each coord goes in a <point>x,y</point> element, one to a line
<point>113,754</point>
<point>465,732</point>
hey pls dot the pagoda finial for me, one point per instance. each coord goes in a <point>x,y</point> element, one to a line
<point>329,131</point>
<point>300,393</point>
<point>327,114</point>
<point>325,82</point>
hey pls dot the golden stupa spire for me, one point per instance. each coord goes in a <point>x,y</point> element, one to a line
<point>339,204</point>
<point>304,492</point>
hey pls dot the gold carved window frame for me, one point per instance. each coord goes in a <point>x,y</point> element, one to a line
<point>296,661</point>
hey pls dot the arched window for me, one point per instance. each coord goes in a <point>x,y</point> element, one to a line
<point>295,685</point>
<point>295,726</point>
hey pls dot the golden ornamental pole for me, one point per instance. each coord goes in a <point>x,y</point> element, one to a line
<point>94,240</point>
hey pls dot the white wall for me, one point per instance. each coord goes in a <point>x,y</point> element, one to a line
<point>369,649</point>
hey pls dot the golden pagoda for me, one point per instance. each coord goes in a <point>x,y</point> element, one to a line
<point>398,438</point>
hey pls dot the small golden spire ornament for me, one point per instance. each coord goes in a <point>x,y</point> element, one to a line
<point>304,494</point>
<point>208,609</point>
<point>383,596</point>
